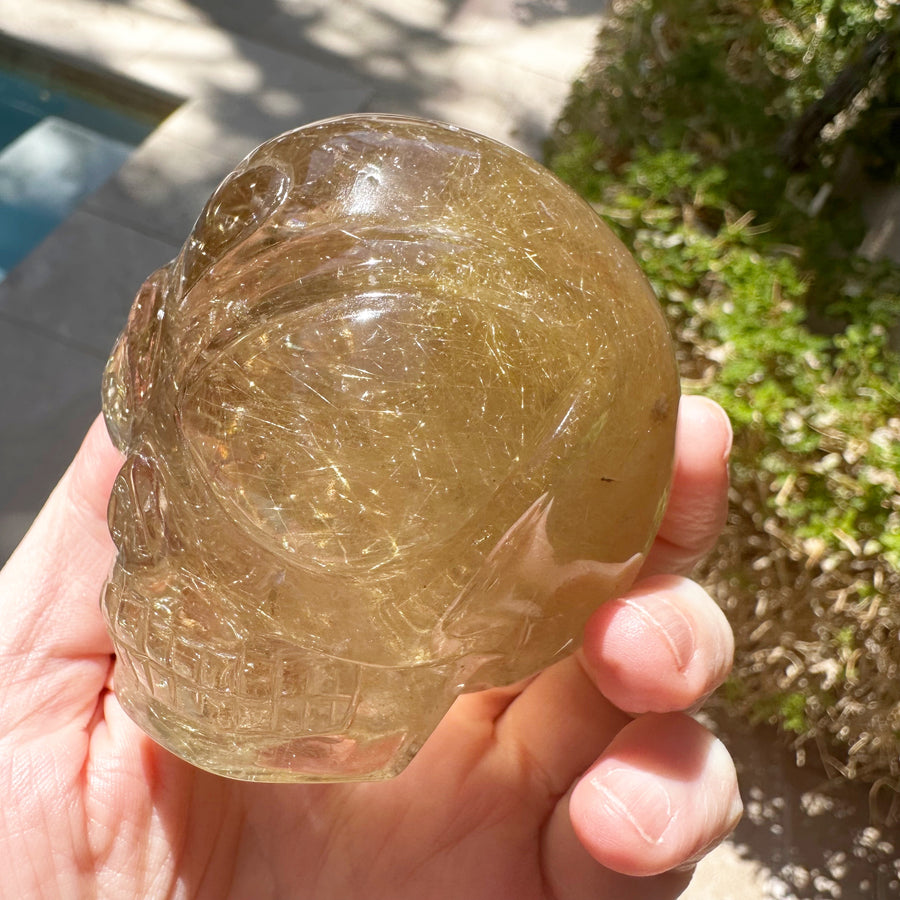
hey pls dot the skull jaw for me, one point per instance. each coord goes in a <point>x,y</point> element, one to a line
<point>319,736</point>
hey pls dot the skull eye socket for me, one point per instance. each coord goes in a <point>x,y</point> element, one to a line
<point>133,367</point>
<point>240,205</point>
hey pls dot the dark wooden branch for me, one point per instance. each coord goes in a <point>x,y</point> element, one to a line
<point>801,138</point>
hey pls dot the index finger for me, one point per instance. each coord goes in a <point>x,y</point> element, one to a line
<point>698,500</point>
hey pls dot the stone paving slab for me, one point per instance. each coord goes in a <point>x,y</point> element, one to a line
<point>49,397</point>
<point>727,875</point>
<point>231,124</point>
<point>162,188</point>
<point>80,282</point>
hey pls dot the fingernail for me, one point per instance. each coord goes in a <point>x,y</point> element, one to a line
<point>734,816</point>
<point>672,624</point>
<point>722,416</point>
<point>636,797</point>
<point>706,417</point>
<point>720,766</point>
<point>736,812</point>
<point>726,455</point>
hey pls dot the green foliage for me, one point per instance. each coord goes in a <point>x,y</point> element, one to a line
<point>791,710</point>
<point>677,136</point>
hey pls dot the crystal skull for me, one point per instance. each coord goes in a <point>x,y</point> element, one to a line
<point>397,418</point>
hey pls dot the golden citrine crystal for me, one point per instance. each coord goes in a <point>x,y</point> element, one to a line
<point>398,417</point>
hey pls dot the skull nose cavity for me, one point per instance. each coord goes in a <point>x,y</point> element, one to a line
<point>240,205</point>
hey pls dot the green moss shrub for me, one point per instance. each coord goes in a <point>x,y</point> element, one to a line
<point>677,134</point>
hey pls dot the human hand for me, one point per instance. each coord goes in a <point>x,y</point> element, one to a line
<point>585,782</point>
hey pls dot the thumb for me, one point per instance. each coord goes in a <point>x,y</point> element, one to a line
<point>54,649</point>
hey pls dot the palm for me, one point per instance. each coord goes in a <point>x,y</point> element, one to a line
<point>99,810</point>
<point>188,833</point>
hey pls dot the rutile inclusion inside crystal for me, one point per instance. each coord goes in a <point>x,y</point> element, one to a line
<point>396,420</point>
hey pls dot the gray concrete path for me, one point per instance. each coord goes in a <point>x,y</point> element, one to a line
<point>242,71</point>
<point>804,835</point>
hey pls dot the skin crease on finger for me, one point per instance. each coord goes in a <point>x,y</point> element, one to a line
<point>662,647</point>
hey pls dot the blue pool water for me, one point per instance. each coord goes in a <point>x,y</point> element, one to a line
<point>55,148</point>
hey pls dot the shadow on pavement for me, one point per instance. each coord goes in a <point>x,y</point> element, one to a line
<point>818,838</point>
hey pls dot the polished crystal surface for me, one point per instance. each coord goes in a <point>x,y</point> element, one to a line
<point>398,417</point>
